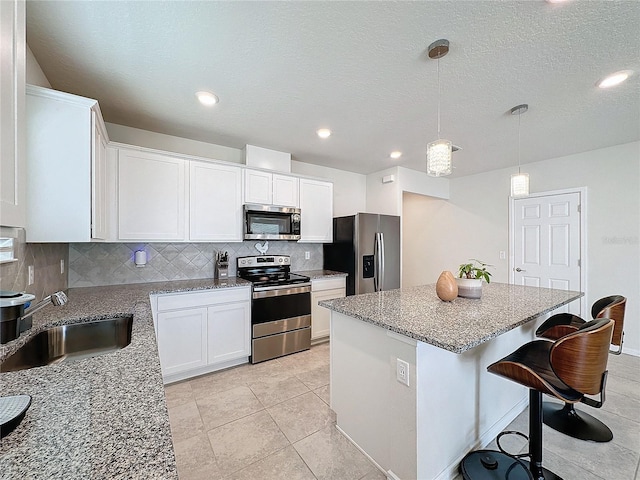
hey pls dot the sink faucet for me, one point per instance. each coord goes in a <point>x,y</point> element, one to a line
<point>26,321</point>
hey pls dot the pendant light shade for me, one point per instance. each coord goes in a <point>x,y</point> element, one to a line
<point>439,152</point>
<point>519,184</point>
<point>519,181</point>
<point>439,158</point>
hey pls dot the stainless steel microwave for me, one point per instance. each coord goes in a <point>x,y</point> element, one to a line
<point>270,222</point>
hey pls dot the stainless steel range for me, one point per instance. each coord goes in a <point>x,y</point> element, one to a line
<point>280,308</point>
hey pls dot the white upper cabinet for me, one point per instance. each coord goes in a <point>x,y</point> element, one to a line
<point>215,202</point>
<point>151,196</point>
<point>316,210</point>
<point>99,191</point>
<point>66,168</point>
<point>258,187</point>
<point>12,139</point>
<point>266,188</point>
<point>286,190</point>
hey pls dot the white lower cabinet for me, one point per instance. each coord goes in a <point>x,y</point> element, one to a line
<point>182,340</point>
<point>227,335</point>
<point>324,289</point>
<point>203,331</point>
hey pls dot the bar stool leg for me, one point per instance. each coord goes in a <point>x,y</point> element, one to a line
<point>535,438</point>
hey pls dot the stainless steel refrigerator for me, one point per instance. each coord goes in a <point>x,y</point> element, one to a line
<point>367,247</point>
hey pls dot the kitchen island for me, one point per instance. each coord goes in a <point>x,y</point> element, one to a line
<point>98,418</point>
<point>451,405</point>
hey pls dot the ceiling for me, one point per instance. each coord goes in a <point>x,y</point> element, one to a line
<point>284,69</point>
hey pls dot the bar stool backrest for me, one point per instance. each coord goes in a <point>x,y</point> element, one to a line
<point>580,358</point>
<point>611,307</point>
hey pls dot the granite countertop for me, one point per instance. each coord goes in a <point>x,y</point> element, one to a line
<point>456,326</point>
<point>101,417</point>
<point>318,274</point>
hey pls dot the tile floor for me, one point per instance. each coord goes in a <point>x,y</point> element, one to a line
<point>273,421</point>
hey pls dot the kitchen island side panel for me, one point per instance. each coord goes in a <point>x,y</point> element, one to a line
<point>461,406</point>
<point>451,406</point>
<point>373,409</point>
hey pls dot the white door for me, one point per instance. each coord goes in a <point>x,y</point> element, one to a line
<point>546,232</point>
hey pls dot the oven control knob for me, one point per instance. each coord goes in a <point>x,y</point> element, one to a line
<point>280,260</point>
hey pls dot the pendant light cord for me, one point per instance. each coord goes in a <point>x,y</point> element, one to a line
<point>438,98</point>
<point>519,116</point>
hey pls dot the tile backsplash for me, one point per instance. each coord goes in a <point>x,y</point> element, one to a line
<point>45,258</point>
<point>96,264</point>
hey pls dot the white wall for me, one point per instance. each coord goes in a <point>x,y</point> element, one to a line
<point>35,75</point>
<point>387,197</point>
<point>169,143</point>
<point>474,224</point>
<point>384,198</point>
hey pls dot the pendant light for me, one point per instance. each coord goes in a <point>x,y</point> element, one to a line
<point>439,152</point>
<point>519,181</point>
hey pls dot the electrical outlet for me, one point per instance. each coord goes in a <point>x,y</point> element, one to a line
<point>503,255</point>
<point>402,371</point>
<point>31,275</point>
<point>61,266</point>
<point>307,255</point>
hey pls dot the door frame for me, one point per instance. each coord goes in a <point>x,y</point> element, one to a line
<point>583,238</point>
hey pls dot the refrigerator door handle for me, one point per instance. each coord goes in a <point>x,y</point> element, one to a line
<point>378,279</point>
<point>376,270</point>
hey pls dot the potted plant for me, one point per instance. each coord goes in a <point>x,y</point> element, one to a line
<point>470,278</point>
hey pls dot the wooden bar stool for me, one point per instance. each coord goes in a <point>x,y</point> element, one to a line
<point>568,369</point>
<point>566,419</point>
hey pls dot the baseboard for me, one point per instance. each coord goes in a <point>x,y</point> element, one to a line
<point>390,475</point>
<point>318,341</point>
<point>504,422</point>
<point>630,351</point>
<point>176,377</point>
<point>451,471</point>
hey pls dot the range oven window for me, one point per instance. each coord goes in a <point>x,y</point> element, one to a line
<point>270,308</point>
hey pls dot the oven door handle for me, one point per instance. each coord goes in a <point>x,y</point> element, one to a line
<point>264,292</point>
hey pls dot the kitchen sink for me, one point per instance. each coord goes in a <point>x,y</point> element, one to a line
<point>71,342</point>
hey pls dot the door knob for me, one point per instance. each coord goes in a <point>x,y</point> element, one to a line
<point>518,269</point>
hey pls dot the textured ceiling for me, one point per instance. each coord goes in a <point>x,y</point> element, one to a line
<point>284,69</point>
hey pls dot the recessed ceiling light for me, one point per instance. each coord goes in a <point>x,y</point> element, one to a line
<point>207,98</point>
<point>614,79</point>
<point>395,154</point>
<point>324,133</point>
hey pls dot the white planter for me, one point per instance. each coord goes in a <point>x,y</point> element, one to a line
<point>469,287</point>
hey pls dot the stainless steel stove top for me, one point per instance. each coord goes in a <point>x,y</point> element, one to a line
<point>269,270</point>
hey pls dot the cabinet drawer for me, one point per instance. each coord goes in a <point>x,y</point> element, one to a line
<point>176,301</point>
<point>327,283</point>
